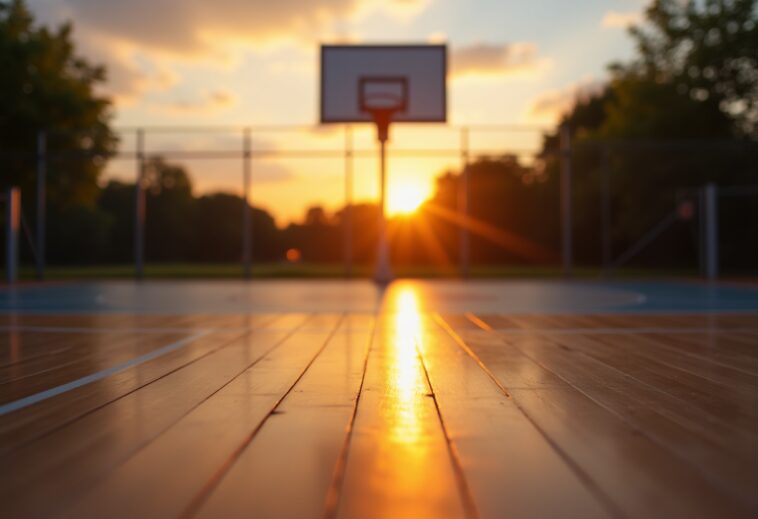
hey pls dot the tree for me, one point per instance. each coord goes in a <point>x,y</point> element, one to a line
<point>704,50</point>
<point>675,117</point>
<point>513,212</point>
<point>169,211</point>
<point>47,86</point>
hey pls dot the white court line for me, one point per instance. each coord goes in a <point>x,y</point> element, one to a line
<point>94,377</point>
<point>154,330</point>
<point>620,331</point>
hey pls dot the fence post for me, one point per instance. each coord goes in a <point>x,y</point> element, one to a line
<point>139,208</point>
<point>710,210</point>
<point>606,209</point>
<point>41,201</point>
<point>348,217</point>
<point>565,194</point>
<point>247,231</point>
<point>463,204</point>
<point>12,224</point>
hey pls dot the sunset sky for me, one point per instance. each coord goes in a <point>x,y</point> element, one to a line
<point>240,62</point>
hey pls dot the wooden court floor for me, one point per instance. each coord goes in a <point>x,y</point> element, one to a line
<point>403,414</point>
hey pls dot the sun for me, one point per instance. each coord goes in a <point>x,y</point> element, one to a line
<point>405,197</point>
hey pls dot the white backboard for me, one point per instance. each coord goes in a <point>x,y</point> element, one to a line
<point>417,73</point>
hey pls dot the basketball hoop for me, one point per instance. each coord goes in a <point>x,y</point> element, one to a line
<point>383,84</point>
<point>382,97</point>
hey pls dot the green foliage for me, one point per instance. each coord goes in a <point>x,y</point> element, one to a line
<point>706,51</point>
<point>515,199</point>
<point>46,85</point>
<point>78,234</point>
<point>674,118</point>
<point>169,210</point>
<point>180,226</point>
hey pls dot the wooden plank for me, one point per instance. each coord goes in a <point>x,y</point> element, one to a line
<point>28,424</point>
<point>642,477</point>
<point>52,342</point>
<point>731,405</point>
<point>97,321</point>
<point>653,348</point>
<point>504,457</point>
<point>681,428</point>
<point>398,463</point>
<point>724,348</point>
<point>17,346</point>
<point>78,356</point>
<point>288,468</point>
<point>56,467</point>
<point>215,432</point>
<point>639,474</point>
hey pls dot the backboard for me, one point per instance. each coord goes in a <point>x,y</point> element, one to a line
<point>409,80</point>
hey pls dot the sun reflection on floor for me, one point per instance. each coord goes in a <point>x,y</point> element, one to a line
<point>398,446</point>
<point>405,374</point>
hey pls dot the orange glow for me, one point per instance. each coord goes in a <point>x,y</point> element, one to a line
<point>406,195</point>
<point>293,255</point>
<point>400,455</point>
<point>406,375</point>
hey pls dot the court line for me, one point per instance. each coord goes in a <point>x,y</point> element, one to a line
<point>94,377</point>
<point>149,330</point>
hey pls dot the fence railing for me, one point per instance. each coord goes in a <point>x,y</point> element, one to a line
<point>462,146</point>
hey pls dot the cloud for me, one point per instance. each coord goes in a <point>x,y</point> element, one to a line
<point>145,43</point>
<point>495,59</point>
<point>207,102</point>
<point>551,105</point>
<point>191,27</point>
<point>128,75</point>
<point>618,20</point>
<point>186,27</point>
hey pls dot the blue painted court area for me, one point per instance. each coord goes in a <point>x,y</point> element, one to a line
<point>496,296</point>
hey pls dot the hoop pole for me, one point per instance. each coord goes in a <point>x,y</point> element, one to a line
<point>12,225</point>
<point>247,241</point>
<point>383,274</point>
<point>139,208</point>
<point>348,217</point>
<point>463,203</point>
<point>41,195</point>
<point>565,181</point>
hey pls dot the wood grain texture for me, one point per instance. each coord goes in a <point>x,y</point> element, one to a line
<point>400,414</point>
<point>206,439</point>
<point>59,466</point>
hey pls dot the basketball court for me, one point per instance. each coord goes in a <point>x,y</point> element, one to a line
<point>392,399</point>
<point>340,399</point>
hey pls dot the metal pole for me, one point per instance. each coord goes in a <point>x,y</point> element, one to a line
<point>12,224</point>
<point>701,231</point>
<point>711,231</point>
<point>41,187</point>
<point>247,231</point>
<point>139,216</point>
<point>383,274</point>
<point>606,209</point>
<point>463,203</point>
<point>348,217</point>
<point>566,244</point>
